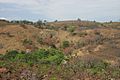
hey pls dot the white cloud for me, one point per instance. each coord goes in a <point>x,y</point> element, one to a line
<point>69,9</point>
<point>83,8</point>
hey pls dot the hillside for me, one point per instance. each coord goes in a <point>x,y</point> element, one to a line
<point>86,41</point>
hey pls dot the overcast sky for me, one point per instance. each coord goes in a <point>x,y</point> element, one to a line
<point>99,10</point>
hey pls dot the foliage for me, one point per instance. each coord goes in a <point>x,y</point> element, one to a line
<point>22,22</point>
<point>51,56</point>
<point>71,28</point>
<point>40,40</point>
<point>27,41</point>
<point>52,27</point>
<point>80,43</point>
<point>39,23</point>
<point>53,78</point>
<point>11,55</point>
<point>98,68</point>
<point>1,46</point>
<point>78,19</point>
<point>82,34</point>
<point>37,66</point>
<point>65,44</point>
<point>56,21</point>
<point>73,33</point>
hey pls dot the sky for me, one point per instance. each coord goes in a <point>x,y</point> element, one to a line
<point>99,10</point>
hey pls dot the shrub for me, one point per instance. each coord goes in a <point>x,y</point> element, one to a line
<point>27,42</point>
<point>71,29</point>
<point>2,64</point>
<point>68,50</point>
<point>64,28</point>
<point>11,55</point>
<point>40,40</point>
<point>1,46</point>
<point>20,57</point>
<point>39,63</point>
<point>39,23</point>
<point>44,56</point>
<point>53,78</point>
<point>82,34</point>
<point>51,27</point>
<point>51,56</point>
<point>80,44</point>
<point>1,57</point>
<point>56,21</point>
<point>73,33</point>
<point>22,22</point>
<point>23,26</point>
<point>98,68</point>
<point>78,19</point>
<point>116,72</point>
<point>65,44</point>
<point>97,33</point>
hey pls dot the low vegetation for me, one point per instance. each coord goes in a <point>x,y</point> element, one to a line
<point>60,50</point>
<point>50,63</point>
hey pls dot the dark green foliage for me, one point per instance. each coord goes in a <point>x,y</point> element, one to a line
<point>56,21</point>
<point>111,21</point>
<point>78,19</point>
<point>11,55</point>
<point>22,22</point>
<point>1,56</point>
<point>51,56</point>
<point>65,44</point>
<point>39,24</point>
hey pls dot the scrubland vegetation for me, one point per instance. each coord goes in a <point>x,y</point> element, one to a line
<point>60,50</point>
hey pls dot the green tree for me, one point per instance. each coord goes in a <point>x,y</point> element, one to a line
<point>39,23</point>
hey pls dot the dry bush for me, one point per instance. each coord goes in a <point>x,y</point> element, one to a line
<point>1,46</point>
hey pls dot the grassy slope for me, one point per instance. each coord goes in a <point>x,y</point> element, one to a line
<point>12,37</point>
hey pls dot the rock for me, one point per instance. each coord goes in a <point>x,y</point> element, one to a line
<point>3,70</point>
<point>80,53</point>
<point>28,51</point>
<point>98,48</point>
